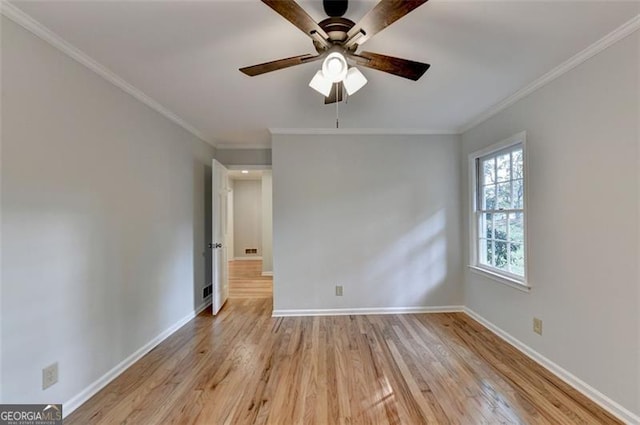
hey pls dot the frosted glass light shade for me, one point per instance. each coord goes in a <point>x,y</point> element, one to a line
<point>354,80</point>
<point>320,84</point>
<point>334,67</point>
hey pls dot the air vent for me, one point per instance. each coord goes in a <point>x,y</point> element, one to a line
<point>207,290</point>
<point>251,251</point>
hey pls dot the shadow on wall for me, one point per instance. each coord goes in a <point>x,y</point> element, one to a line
<point>420,255</point>
<point>379,216</point>
<point>380,243</point>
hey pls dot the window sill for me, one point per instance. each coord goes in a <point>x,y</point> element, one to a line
<point>521,286</point>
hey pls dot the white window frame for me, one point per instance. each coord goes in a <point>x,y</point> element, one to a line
<point>475,266</point>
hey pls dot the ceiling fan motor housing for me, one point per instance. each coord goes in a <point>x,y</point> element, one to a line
<point>336,29</point>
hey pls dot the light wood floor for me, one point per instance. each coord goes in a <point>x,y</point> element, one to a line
<point>245,367</point>
<point>246,280</point>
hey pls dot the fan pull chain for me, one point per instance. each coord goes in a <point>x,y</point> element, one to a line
<point>337,108</point>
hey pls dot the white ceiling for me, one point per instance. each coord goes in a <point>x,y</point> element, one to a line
<point>186,55</point>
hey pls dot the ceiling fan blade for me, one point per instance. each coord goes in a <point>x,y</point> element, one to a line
<point>381,16</point>
<point>263,68</point>
<point>401,67</point>
<point>292,12</point>
<point>335,95</point>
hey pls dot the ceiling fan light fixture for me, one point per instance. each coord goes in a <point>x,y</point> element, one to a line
<point>354,80</point>
<point>334,67</point>
<point>321,84</point>
<point>337,38</point>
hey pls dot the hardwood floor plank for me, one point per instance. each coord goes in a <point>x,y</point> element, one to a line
<point>246,280</point>
<point>455,384</point>
<point>538,386</point>
<point>245,367</point>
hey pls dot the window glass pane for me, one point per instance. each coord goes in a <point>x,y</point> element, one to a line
<point>516,227</point>
<point>485,253</point>
<point>485,228</point>
<point>489,197</point>
<point>518,164</point>
<point>503,199</point>
<point>518,194</point>
<point>500,234</point>
<point>504,167</point>
<point>489,171</point>
<point>500,255</point>
<point>517,259</point>
<point>500,223</point>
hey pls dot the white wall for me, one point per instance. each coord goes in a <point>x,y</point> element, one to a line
<point>376,214</point>
<point>247,217</point>
<point>267,222</point>
<point>103,216</point>
<point>583,221</point>
<point>244,156</point>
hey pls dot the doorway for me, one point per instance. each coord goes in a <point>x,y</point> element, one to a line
<point>249,217</point>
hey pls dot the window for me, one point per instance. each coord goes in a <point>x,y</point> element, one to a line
<point>498,216</point>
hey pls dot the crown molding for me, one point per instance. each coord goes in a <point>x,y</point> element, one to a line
<point>361,131</point>
<point>223,146</point>
<point>613,37</point>
<point>27,22</point>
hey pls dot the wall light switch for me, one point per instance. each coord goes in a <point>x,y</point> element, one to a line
<point>49,376</point>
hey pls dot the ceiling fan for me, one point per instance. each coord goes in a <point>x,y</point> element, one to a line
<point>337,39</point>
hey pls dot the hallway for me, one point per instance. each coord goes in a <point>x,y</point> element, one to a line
<point>246,280</point>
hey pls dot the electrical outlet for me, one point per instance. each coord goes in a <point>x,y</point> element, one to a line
<point>338,290</point>
<point>49,376</point>
<point>537,325</point>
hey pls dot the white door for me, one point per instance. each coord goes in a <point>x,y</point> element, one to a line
<point>219,193</point>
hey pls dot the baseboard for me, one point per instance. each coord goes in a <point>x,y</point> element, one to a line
<point>105,379</point>
<point>596,396</point>
<point>246,258</point>
<point>202,306</point>
<point>267,273</point>
<point>372,310</point>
